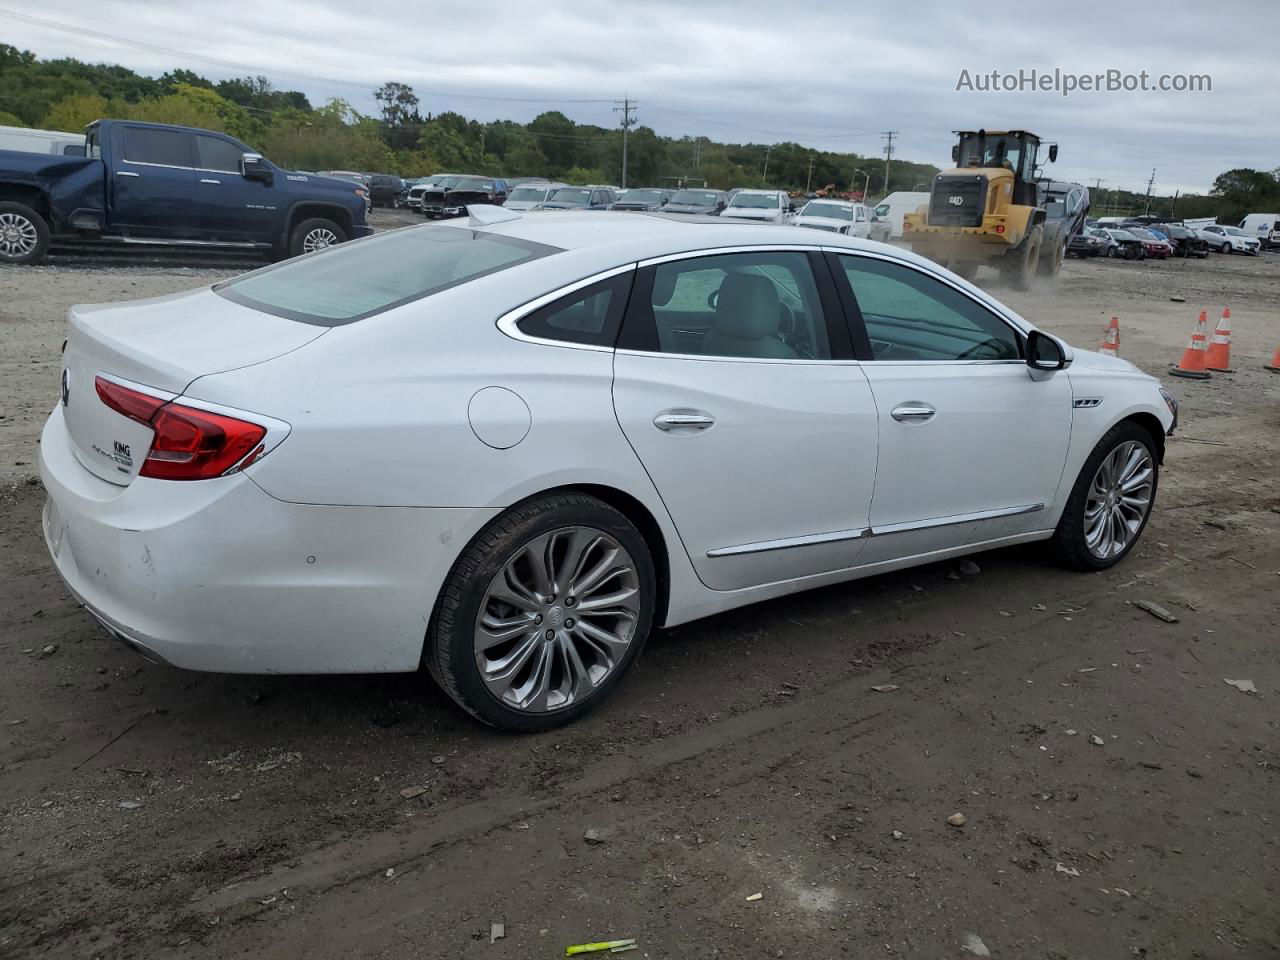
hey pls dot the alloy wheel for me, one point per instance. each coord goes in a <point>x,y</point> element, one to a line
<point>1119,499</point>
<point>557,619</point>
<point>18,236</point>
<point>318,239</point>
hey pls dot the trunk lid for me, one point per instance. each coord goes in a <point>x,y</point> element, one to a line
<point>161,344</point>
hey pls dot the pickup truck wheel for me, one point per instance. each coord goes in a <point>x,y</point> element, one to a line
<point>24,236</point>
<point>315,234</point>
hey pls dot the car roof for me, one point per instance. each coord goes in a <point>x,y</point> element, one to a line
<point>833,201</point>
<point>758,192</point>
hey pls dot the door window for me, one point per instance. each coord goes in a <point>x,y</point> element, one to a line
<point>151,145</point>
<point>214,153</point>
<point>912,316</point>
<point>757,305</point>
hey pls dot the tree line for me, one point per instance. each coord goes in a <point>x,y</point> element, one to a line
<point>407,139</point>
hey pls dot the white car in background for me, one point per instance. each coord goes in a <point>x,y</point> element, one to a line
<point>759,206</point>
<point>1264,226</point>
<point>531,195</point>
<point>837,216</point>
<point>897,205</point>
<point>1229,240</point>
<point>507,448</point>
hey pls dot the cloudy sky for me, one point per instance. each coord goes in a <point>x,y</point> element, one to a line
<point>832,75</point>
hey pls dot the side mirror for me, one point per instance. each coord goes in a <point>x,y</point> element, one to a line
<point>719,205</point>
<point>253,167</point>
<point>1053,152</point>
<point>955,153</point>
<point>1044,352</point>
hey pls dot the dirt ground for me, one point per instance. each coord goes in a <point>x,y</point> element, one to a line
<point>1121,799</point>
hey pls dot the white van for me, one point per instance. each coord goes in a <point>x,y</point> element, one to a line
<point>897,205</point>
<point>54,142</point>
<point>1265,227</point>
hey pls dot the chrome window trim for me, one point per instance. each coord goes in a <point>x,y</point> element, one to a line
<point>798,247</point>
<point>508,323</point>
<point>912,525</point>
<point>786,543</point>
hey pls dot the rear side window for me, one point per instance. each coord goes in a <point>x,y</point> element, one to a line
<point>148,145</point>
<point>213,153</point>
<point>591,315</point>
<point>352,281</point>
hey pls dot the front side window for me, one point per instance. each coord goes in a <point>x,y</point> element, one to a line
<point>590,315</point>
<point>914,317</point>
<point>150,145</point>
<point>351,281</point>
<point>213,153</point>
<point>745,305</point>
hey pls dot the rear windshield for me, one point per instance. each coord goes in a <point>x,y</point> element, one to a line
<point>352,281</point>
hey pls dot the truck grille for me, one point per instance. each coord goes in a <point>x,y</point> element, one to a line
<point>957,201</point>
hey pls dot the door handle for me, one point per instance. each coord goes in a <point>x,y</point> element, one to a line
<point>209,180</point>
<point>127,173</point>
<point>683,420</point>
<point>913,412</point>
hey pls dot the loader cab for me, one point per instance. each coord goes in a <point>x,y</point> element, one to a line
<point>1015,150</point>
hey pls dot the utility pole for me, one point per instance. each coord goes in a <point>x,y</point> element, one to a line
<point>887,137</point>
<point>697,151</point>
<point>1150,182</point>
<point>808,180</point>
<point>766,164</point>
<point>626,106</point>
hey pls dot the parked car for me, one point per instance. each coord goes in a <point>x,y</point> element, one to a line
<point>354,175</point>
<point>414,199</point>
<point>896,206</point>
<point>431,201</point>
<point>470,190</point>
<point>643,198</point>
<point>54,143</point>
<point>880,230</point>
<point>696,201</point>
<point>581,198</point>
<point>531,194</point>
<point>1122,244</point>
<point>385,190</point>
<point>1087,243</point>
<point>1230,240</point>
<point>761,206</point>
<point>457,501</point>
<point>836,216</point>
<point>150,183</point>
<point>1156,246</point>
<point>1264,227</point>
<point>1186,243</point>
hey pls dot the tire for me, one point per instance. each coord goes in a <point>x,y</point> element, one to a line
<point>24,235</point>
<point>965,269</point>
<point>314,234</point>
<point>1051,265</point>
<point>1021,262</point>
<point>1225,248</point>
<point>1111,253</point>
<point>452,652</point>
<point>1070,543</point>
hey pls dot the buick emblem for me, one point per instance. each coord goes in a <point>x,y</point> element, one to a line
<point>66,386</point>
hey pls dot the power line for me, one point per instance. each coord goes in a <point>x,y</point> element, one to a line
<point>236,65</point>
<point>741,126</point>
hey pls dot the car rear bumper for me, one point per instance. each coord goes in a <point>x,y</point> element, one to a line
<point>217,575</point>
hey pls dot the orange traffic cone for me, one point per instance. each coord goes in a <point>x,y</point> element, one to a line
<point>1192,365</point>
<point>1111,339</point>
<point>1274,365</point>
<point>1218,356</point>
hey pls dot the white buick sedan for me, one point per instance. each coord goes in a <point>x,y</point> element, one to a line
<point>507,447</point>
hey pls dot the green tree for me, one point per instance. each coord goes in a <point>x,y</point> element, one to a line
<point>74,113</point>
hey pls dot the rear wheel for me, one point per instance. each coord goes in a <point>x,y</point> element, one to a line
<point>314,234</point>
<point>1019,268</point>
<point>1052,264</point>
<point>1111,501</point>
<point>24,235</point>
<point>543,613</point>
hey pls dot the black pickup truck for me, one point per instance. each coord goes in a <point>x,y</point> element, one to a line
<point>154,184</point>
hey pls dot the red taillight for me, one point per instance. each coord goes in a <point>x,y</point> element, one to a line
<point>999,228</point>
<point>189,444</point>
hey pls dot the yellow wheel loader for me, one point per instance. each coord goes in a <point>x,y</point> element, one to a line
<point>987,209</point>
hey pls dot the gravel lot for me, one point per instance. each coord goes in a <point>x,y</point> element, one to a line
<point>1120,798</point>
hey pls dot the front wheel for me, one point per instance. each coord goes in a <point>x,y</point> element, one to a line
<point>1225,248</point>
<point>1051,265</point>
<point>1020,264</point>
<point>543,613</point>
<point>1111,501</point>
<point>315,234</point>
<point>24,235</point>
